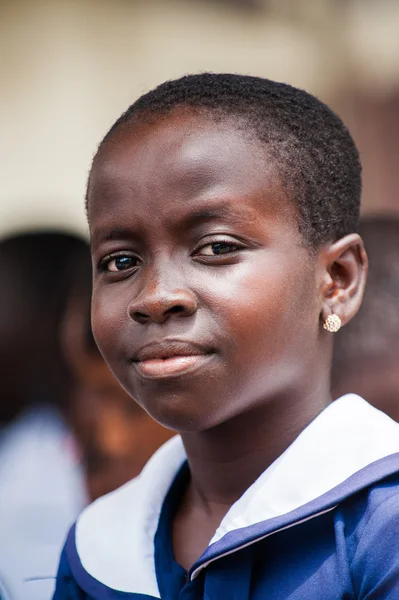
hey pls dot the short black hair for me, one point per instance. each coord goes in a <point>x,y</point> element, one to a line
<point>316,156</point>
<point>372,336</point>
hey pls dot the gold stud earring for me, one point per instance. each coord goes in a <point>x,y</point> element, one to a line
<point>333,323</point>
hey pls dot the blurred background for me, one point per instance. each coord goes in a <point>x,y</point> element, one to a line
<point>68,69</point>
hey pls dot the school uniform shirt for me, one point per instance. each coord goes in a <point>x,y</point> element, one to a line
<point>322,522</point>
<point>41,494</point>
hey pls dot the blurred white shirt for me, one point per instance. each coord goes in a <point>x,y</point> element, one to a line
<point>41,494</point>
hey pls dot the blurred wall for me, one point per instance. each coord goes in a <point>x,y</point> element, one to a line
<point>68,68</point>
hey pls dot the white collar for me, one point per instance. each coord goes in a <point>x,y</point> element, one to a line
<point>115,535</point>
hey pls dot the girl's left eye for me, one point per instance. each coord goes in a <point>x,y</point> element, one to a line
<point>218,249</point>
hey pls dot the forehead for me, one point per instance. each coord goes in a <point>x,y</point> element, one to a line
<point>175,160</point>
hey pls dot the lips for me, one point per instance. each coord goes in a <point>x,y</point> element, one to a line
<point>170,358</point>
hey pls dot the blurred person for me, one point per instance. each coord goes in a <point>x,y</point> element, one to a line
<point>366,352</point>
<point>115,434</point>
<point>42,489</point>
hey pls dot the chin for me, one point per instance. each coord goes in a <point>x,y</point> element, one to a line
<point>181,416</point>
<point>182,412</point>
<point>193,402</point>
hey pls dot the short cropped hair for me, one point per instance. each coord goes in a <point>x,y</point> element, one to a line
<point>316,157</point>
<point>373,334</point>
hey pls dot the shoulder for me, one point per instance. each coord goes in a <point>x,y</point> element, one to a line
<point>111,546</point>
<point>66,587</point>
<point>108,523</point>
<point>96,561</point>
<point>376,504</point>
<point>371,523</point>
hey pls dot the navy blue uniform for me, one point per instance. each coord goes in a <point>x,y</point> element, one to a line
<point>321,522</point>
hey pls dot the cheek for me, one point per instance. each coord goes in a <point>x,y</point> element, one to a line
<point>268,309</point>
<point>108,312</point>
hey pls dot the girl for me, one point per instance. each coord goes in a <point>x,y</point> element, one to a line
<point>223,212</point>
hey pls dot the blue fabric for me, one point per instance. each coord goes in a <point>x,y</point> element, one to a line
<point>67,587</point>
<point>171,577</point>
<point>366,478</point>
<point>349,553</point>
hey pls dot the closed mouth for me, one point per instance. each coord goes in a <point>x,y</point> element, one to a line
<point>169,349</point>
<point>170,358</point>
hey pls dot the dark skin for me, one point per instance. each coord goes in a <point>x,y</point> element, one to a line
<point>208,305</point>
<point>115,436</point>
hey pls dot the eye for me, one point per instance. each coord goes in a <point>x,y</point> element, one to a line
<point>118,264</point>
<point>218,249</point>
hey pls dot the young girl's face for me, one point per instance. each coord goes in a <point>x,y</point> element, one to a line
<point>206,301</point>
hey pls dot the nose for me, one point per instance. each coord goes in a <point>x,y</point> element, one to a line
<point>157,304</point>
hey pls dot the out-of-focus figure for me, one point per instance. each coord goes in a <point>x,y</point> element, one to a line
<point>117,437</point>
<point>366,352</point>
<point>41,484</point>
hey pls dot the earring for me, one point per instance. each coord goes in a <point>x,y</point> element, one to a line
<point>332,323</point>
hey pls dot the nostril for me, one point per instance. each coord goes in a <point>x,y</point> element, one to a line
<point>176,309</point>
<point>139,316</point>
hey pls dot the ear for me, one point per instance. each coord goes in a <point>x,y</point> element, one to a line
<point>344,268</point>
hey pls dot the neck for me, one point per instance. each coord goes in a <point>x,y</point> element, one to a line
<point>226,460</point>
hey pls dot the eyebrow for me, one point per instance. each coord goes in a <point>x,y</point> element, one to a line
<point>211,214</point>
<point>114,234</point>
